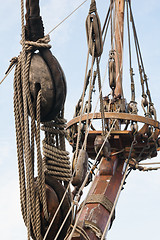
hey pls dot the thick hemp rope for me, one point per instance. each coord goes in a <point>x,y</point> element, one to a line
<point>30,196</point>
<point>56,158</point>
<point>26,168</point>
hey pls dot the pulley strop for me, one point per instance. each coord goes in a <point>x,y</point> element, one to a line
<point>46,73</point>
<point>93,24</point>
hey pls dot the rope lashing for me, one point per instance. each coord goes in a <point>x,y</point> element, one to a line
<point>94,22</point>
<point>40,43</point>
<point>56,158</point>
<point>93,7</point>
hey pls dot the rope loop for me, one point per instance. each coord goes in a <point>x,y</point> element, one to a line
<point>40,43</point>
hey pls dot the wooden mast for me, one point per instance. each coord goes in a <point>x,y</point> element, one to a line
<point>119,30</point>
<point>95,214</point>
<point>102,195</point>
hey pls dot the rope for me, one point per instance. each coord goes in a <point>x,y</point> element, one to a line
<point>25,118</point>
<point>143,77</point>
<point>67,16</point>
<point>101,97</point>
<point>82,98</point>
<point>40,163</point>
<point>106,25</point>
<point>135,165</point>
<point>11,66</point>
<point>130,59</point>
<point>56,160</point>
<point>27,192</point>
<point>30,197</point>
<point>90,91</point>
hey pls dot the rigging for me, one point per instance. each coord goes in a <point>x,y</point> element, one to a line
<point>98,154</point>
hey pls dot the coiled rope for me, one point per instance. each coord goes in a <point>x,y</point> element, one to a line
<point>55,157</point>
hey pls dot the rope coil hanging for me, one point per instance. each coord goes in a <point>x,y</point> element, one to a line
<point>33,190</point>
<point>30,197</point>
<point>55,157</point>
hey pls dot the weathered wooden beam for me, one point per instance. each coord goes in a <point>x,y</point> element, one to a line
<point>119,29</point>
<point>104,190</point>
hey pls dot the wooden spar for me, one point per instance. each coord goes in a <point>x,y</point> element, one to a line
<point>119,29</point>
<point>104,191</point>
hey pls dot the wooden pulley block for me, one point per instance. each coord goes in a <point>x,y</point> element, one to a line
<point>106,149</point>
<point>54,194</point>
<point>52,205</point>
<point>79,168</point>
<point>46,74</point>
<point>112,70</point>
<point>96,37</point>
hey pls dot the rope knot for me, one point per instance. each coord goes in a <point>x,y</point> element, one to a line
<point>40,43</point>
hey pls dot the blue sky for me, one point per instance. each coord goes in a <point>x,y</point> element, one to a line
<point>138,209</point>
